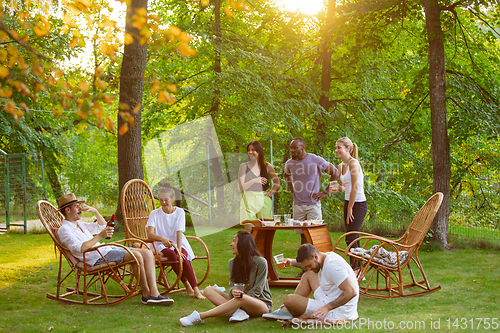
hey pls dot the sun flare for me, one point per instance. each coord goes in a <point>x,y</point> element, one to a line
<point>309,7</point>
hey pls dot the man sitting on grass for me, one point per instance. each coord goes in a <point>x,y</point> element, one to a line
<point>77,237</point>
<point>332,282</point>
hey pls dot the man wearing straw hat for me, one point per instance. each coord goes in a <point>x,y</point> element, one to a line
<point>78,237</point>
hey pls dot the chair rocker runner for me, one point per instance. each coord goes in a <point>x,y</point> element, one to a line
<point>386,264</point>
<point>103,284</point>
<point>137,202</point>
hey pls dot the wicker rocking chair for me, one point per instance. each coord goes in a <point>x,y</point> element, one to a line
<point>104,284</point>
<point>137,202</point>
<point>386,264</point>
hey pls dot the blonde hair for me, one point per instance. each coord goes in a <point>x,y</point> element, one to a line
<point>168,191</point>
<point>353,148</point>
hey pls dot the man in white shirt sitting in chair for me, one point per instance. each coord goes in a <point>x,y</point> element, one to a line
<point>77,237</point>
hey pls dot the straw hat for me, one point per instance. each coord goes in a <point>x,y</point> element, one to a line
<point>67,200</point>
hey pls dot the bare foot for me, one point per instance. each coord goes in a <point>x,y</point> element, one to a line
<point>189,289</point>
<point>198,294</point>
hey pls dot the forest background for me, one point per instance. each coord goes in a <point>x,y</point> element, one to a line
<point>415,84</point>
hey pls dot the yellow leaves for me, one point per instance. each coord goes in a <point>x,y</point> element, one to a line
<point>84,86</point>
<point>20,87</point>
<point>110,125</point>
<point>137,108</point>
<point>97,110</point>
<point>128,39</point>
<point>5,92</point>
<point>139,18</point>
<point>233,5</point>
<point>10,107</point>
<point>174,31</point>
<point>127,117</point>
<point>51,81</point>
<point>165,97</point>
<point>172,87</point>
<point>42,27</point>
<point>58,73</point>
<point>4,72</point>
<point>39,86</point>
<point>205,3</point>
<point>100,84</point>
<point>13,52</point>
<point>107,23</point>
<point>38,71</point>
<point>69,20</point>
<point>123,107</point>
<point>74,41</point>
<point>108,49</point>
<point>108,99</point>
<point>228,12</point>
<point>183,37</point>
<point>185,50</point>
<point>123,129</point>
<point>155,87</point>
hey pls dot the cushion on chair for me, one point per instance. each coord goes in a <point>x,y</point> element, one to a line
<point>382,256</point>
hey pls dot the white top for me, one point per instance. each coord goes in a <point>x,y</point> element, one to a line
<point>346,181</point>
<point>167,225</point>
<point>335,270</point>
<point>73,237</point>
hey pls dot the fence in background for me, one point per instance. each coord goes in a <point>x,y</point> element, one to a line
<point>22,184</point>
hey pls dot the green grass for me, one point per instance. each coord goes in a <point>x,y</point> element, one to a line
<point>470,281</point>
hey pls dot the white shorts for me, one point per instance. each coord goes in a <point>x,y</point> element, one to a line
<point>306,212</point>
<point>319,301</point>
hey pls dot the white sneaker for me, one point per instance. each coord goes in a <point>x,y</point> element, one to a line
<point>239,315</point>
<point>192,319</point>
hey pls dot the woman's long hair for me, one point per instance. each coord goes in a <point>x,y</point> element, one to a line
<point>257,146</point>
<point>242,263</point>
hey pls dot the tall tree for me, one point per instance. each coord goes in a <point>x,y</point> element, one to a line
<point>131,91</point>
<point>437,94</point>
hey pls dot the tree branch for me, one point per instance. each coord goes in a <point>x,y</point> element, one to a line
<point>484,91</point>
<point>23,44</point>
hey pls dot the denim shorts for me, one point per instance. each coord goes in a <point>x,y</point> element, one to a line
<point>115,254</point>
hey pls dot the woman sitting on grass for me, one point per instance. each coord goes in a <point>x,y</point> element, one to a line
<point>167,224</point>
<point>247,267</point>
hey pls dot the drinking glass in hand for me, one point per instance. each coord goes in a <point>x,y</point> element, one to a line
<point>334,186</point>
<point>240,286</point>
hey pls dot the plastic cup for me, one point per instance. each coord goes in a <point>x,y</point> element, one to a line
<point>334,186</point>
<point>287,219</point>
<point>280,261</point>
<point>239,286</point>
<point>277,219</point>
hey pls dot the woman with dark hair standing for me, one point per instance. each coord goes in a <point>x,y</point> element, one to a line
<point>253,181</point>
<point>351,182</point>
<point>249,268</point>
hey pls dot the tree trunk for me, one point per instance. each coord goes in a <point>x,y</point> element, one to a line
<point>55,184</point>
<point>131,89</point>
<point>440,143</point>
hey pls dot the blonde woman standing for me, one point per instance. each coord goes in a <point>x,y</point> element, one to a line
<point>351,183</point>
